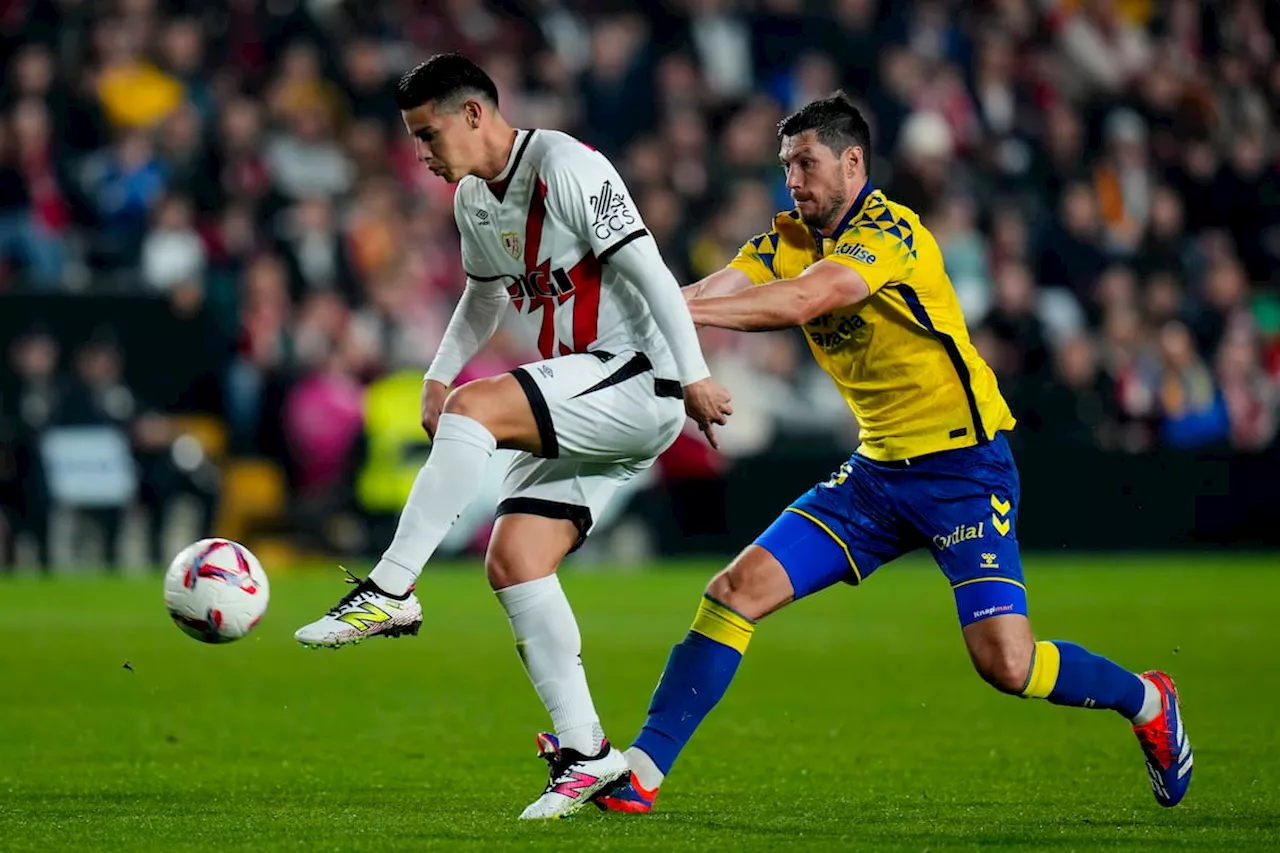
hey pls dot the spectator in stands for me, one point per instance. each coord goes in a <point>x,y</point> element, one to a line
<point>1123,182</point>
<point>99,396</point>
<point>124,183</point>
<point>30,405</point>
<point>1076,408</point>
<point>1251,397</point>
<point>323,421</point>
<point>313,248</point>
<point>1224,305</point>
<point>263,347</point>
<point>1015,324</point>
<point>1193,411</point>
<point>173,252</point>
<point>135,94</point>
<point>1071,252</point>
<point>33,214</point>
<point>1106,51</point>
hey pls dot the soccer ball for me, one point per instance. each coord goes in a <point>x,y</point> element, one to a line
<point>216,590</point>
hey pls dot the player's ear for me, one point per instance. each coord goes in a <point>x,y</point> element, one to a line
<point>471,112</point>
<point>852,157</point>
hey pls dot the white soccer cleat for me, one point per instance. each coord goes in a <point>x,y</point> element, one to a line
<point>575,779</point>
<point>366,611</point>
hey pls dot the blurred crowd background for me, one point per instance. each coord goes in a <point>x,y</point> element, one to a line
<point>1103,177</point>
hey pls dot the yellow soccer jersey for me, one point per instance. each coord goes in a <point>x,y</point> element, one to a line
<point>902,358</point>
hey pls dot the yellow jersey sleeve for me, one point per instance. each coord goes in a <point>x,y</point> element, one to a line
<point>756,258</point>
<point>877,254</point>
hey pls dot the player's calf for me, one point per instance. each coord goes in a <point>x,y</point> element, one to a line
<point>700,669</point>
<point>1002,649</point>
<point>1005,653</point>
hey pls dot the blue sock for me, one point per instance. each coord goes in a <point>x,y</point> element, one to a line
<point>1067,674</point>
<point>697,675</point>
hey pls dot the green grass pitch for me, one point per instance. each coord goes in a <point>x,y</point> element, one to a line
<point>855,722</point>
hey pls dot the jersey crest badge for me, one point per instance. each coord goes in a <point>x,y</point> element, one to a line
<point>511,242</point>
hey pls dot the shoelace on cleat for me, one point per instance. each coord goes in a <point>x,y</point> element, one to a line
<point>559,766</point>
<point>363,588</point>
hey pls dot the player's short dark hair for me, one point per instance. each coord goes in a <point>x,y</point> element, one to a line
<point>837,122</point>
<point>443,78</point>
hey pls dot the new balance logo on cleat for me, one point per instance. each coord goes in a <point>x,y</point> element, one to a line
<point>574,779</point>
<point>573,786</point>
<point>366,611</point>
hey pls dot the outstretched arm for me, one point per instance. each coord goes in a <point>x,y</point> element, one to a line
<point>725,282</point>
<point>823,287</point>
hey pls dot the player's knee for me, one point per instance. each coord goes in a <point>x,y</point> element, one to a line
<point>725,588</point>
<point>1005,667</point>
<point>469,400</point>
<point>747,590</point>
<point>504,568</point>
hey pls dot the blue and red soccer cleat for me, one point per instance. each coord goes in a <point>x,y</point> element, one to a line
<point>1165,744</point>
<point>631,797</point>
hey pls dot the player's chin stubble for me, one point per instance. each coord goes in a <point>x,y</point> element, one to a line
<point>828,216</point>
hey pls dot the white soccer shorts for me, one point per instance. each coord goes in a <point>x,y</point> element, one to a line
<point>603,418</point>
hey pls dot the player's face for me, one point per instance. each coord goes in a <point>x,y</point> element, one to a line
<point>816,177</point>
<point>447,142</point>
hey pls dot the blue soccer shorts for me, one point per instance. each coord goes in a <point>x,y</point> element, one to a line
<point>960,504</point>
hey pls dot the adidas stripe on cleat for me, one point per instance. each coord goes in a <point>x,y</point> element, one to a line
<point>1166,746</point>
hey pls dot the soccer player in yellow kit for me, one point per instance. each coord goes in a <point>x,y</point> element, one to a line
<point>865,280</point>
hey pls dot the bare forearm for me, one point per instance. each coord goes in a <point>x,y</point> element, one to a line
<point>823,287</point>
<point>762,309</point>
<point>725,282</point>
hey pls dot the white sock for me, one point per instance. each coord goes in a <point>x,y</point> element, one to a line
<point>1152,704</point>
<point>449,481</point>
<point>647,773</point>
<point>550,646</point>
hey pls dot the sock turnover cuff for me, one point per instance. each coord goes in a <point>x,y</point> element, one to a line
<point>723,624</point>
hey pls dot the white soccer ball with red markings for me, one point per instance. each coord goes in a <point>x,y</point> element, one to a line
<point>216,590</point>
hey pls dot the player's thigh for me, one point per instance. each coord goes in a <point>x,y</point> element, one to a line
<point>562,497</point>
<point>966,503</point>
<point>840,531</point>
<point>502,406</point>
<point>601,407</point>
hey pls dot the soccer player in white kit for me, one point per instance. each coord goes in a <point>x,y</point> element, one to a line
<point>548,228</point>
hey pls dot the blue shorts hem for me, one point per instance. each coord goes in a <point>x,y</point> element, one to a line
<point>810,554</point>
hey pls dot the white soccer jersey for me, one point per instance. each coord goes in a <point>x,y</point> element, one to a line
<point>544,230</point>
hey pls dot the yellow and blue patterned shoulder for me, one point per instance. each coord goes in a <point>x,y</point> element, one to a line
<point>775,254</point>
<point>885,223</point>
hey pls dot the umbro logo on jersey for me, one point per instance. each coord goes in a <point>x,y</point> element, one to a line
<point>612,215</point>
<point>482,217</point>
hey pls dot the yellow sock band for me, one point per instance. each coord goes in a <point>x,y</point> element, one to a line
<point>723,624</point>
<point>1045,661</point>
